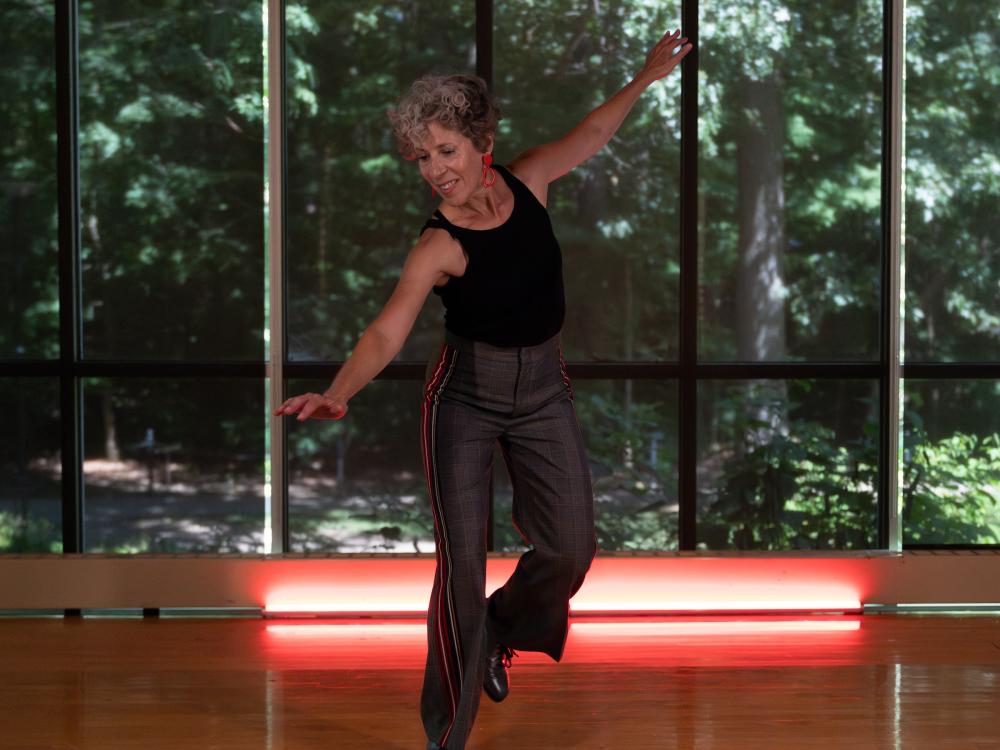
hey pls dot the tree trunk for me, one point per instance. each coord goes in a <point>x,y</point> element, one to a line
<point>343,443</point>
<point>760,287</point>
<point>760,295</point>
<point>627,452</point>
<point>111,448</point>
<point>325,208</point>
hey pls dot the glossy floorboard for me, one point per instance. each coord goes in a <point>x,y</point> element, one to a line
<point>881,681</point>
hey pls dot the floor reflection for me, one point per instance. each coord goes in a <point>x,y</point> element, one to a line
<point>681,682</point>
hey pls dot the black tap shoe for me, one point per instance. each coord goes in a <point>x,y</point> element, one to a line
<point>495,682</point>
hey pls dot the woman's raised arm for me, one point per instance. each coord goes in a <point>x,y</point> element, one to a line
<point>550,161</point>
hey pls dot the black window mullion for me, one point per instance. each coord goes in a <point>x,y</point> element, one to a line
<point>68,179</point>
<point>281,357</point>
<point>891,221</point>
<point>484,41</point>
<point>688,384</point>
<point>952,370</point>
<point>579,370</point>
<point>484,69</point>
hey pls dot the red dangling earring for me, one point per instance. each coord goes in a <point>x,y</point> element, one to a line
<point>487,160</point>
<point>433,191</point>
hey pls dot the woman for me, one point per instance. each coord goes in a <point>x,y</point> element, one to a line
<point>499,377</point>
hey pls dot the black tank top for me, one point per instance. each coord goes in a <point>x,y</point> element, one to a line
<point>511,293</point>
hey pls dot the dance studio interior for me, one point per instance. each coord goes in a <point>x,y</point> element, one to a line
<point>780,261</point>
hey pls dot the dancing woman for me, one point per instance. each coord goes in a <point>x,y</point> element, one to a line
<point>499,376</point>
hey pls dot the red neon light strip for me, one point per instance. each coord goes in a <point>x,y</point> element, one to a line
<point>701,628</point>
<point>418,631</point>
<point>760,603</point>
<point>339,605</point>
<point>613,585</point>
<point>349,631</point>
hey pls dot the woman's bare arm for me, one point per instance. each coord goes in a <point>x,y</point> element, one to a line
<point>548,162</point>
<point>384,337</point>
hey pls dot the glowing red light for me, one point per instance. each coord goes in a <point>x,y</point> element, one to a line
<point>620,585</point>
<point>713,628</point>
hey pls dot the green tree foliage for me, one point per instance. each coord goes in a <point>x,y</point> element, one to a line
<point>171,180</point>
<point>950,478</point>
<point>799,210</point>
<point>952,237</point>
<point>29,281</point>
<point>951,491</point>
<point>354,206</point>
<point>811,485</point>
<point>951,475</point>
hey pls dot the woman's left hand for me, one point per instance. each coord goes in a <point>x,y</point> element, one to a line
<point>662,58</point>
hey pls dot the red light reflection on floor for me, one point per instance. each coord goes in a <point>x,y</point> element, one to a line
<point>652,643</point>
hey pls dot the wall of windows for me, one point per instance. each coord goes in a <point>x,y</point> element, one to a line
<point>951,445</point>
<point>725,262</point>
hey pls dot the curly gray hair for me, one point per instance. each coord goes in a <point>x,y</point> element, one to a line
<point>459,102</point>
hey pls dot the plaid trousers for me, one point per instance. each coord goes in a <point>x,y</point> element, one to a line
<point>476,395</point>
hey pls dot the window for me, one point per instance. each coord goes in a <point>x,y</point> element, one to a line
<point>951,461</point>
<point>725,259</point>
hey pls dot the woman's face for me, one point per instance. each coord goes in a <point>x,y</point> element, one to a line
<point>450,163</point>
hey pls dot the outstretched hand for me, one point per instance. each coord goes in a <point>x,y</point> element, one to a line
<point>313,405</point>
<point>662,58</point>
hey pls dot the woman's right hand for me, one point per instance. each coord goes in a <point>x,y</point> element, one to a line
<point>662,59</point>
<point>314,405</point>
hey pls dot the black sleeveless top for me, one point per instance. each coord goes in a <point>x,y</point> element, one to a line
<point>511,293</point>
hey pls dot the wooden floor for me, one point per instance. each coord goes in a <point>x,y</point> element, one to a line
<point>874,681</point>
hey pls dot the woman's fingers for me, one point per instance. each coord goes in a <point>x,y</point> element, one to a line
<point>669,35</point>
<point>671,43</point>
<point>309,404</point>
<point>308,409</point>
<point>666,46</point>
<point>663,58</point>
<point>291,405</point>
<point>285,408</point>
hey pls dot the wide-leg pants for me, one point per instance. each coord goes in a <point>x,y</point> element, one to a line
<point>476,395</point>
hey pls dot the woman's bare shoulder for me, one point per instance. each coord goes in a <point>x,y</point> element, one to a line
<point>448,253</point>
<point>535,181</point>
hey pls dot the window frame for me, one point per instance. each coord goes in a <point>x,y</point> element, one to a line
<point>889,370</point>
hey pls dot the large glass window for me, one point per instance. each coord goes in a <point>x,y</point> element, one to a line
<point>787,464</point>
<point>29,287</point>
<point>30,466</point>
<point>699,367</point>
<point>355,207</point>
<point>950,485</point>
<point>789,172</point>
<point>357,484</point>
<point>952,182</point>
<point>173,465</point>
<point>172,180</point>
<point>951,462</point>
